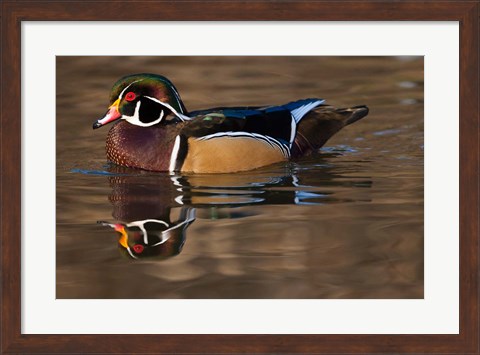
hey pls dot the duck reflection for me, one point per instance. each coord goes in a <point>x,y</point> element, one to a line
<point>145,205</point>
<point>153,237</point>
<point>156,210</point>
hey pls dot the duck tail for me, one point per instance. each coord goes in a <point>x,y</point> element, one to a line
<point>319,125</point>
<point>353,114</point>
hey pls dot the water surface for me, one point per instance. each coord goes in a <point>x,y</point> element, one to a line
<point>344,223</point>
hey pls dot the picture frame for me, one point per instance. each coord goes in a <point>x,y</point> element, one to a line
<point>14,12</point>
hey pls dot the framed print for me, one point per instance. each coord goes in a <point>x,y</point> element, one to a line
<point>370,246</point>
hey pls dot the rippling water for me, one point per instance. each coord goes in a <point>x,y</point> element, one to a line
<point>344,223</point>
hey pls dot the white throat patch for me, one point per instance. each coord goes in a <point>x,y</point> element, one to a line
<point>135,119</point>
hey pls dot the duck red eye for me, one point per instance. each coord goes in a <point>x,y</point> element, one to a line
<point>130,96</point>
<point>138,248</point>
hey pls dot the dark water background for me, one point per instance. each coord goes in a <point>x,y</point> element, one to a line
<point>345,223</point>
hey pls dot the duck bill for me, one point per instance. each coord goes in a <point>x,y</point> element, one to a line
<point>111,115</point>
<point>120,228</point>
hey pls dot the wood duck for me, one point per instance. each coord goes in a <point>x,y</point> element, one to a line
<point>154,130</point>
<point>153,237</point>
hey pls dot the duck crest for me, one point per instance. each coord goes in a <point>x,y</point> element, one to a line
<point>157,133</point>
<point>157,85</point>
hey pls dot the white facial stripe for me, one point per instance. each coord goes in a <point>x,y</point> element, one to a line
<point>131,254</point>
<point>165,236</point>
<point>178,97</point>
<point>140,224</point>
<point>187,221</point>
<point>160,242</point>
<point>123,91</point>
<point>173,157</point>
<point>175,112</point>
<point>135,119</point>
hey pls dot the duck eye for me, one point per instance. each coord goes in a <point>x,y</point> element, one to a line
<point>138,248</point>
<point>130,96</point>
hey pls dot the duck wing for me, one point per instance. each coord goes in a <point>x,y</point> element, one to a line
<point>273,122</point>
<point>236,139</point>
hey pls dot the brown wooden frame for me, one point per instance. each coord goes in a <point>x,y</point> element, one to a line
<point>14,12</point>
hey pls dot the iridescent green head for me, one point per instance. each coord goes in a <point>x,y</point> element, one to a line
<point>143,100</point>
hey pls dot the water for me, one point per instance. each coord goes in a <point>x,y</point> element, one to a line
<point>344,223</point>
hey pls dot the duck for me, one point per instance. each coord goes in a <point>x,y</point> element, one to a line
<point>154,131</point>
<point>151,237</point>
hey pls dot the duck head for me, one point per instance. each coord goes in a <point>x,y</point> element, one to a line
<point>143,100</point>
<point>153,237</point>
